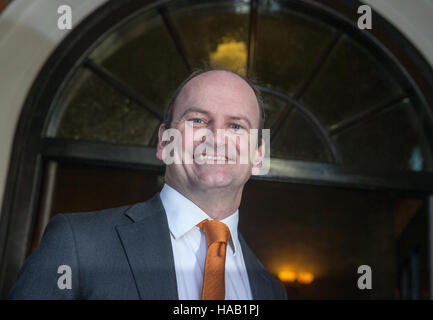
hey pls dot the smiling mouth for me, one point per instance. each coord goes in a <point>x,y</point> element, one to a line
<point>215,158</point>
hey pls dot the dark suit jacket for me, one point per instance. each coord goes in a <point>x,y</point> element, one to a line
<point>118,253</point>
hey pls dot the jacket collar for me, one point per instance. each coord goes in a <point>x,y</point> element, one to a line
<point>183,215</point>
<point>147,245</point>
<point>259,277</point>
<point>148,248</point>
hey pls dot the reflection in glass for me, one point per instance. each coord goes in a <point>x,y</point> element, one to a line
<point>144,56</point>
<point>351,81</point>
<point>231,55</point>
<point>273,109</point>
<point>288,46</point>
<point>94,111</point>
<point>151,54</point>
<point>213,32</point>
<point>393,139</point>
<point>298,139</point>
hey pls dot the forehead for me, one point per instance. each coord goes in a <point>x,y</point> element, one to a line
<point>219,93</point>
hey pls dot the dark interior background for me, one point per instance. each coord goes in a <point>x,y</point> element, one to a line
<point>328,232</point>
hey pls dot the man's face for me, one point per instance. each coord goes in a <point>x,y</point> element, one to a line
<point>214,100</point>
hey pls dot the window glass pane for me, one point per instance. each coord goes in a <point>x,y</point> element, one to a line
<point>350,82</point>
<point>392,140</point>
<point>215,32</point>
<point>143,55</point>
<point>273,107</point>
<point>95,111</point>
<point>288,47</point>
<point>298,139</point>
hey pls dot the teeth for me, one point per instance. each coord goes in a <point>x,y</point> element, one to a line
<point>215,158</point>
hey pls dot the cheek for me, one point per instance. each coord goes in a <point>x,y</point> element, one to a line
<point>241,144</point>
<point>189,145</point>
<point>187,134</point>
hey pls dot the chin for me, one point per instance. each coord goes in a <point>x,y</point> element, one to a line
<point>216,181</point>
<point>220,177</point>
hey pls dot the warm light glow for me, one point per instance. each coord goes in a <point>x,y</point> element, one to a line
<point>300,277</point>
<point>231,55</point>
<point>305,277</point>
<point>287,276</point>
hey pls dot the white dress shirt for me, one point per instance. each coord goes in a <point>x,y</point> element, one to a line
<point>190,247</point>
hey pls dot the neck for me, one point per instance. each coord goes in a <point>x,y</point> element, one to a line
<point>217,203</point>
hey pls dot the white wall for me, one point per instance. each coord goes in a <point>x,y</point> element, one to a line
<point>413,18</point>
<point>29,33</point>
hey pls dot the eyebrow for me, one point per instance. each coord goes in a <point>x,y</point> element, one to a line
<point>242,118</point>
<point>194,109</point>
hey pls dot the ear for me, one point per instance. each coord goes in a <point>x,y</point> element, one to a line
<point>161,144</point>
<point>259,155</point>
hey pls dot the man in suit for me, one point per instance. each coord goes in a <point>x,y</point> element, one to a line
<point>183,243</point>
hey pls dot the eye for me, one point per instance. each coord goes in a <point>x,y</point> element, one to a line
<point>195,122</point>
<point>236,126</point>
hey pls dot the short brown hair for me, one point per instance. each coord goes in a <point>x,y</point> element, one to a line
<point>168,116</point>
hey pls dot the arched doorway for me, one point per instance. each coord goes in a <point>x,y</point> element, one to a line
<point>346,109</point>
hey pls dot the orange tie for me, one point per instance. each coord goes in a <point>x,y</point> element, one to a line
<point>217,234</point>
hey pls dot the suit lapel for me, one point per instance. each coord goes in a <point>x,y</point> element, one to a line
<point>147,245</point>
<point>261,285</point>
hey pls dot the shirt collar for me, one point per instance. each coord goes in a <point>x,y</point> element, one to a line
<point>183,215</point>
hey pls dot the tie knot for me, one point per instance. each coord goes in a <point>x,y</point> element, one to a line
<point>216,231</point>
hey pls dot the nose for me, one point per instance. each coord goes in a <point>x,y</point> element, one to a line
<point>218,137</point>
